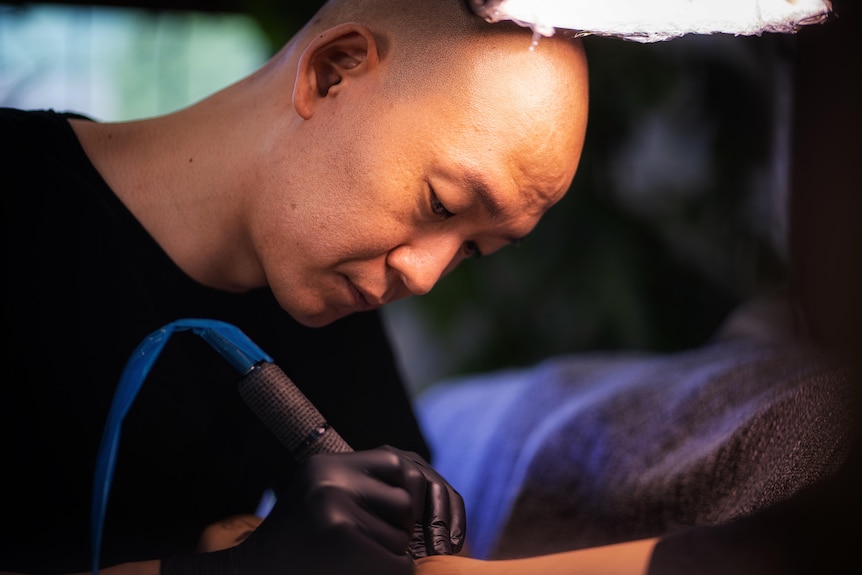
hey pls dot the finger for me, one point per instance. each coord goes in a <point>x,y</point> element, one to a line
<point>374,481</point>
<point>416,484</point>
<point>414,477</point>
<point>457,521</point>
<point>363,494</point>
<point>431,533</point>
<point>438,539</point>
<point>391,466</point>
<point>417,547</point>
<point>445,514</point>
<point>393,538</point>
<point>344,516</point>
<point>392,504</point>
<point>342,469</point>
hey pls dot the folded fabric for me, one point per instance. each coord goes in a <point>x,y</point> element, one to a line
<point>591,449</point>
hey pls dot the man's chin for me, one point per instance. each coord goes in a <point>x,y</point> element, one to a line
<point>321,319</point>
<point>314,313</point>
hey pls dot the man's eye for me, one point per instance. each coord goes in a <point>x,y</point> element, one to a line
<point>471,250</point>
<point>438,208</point>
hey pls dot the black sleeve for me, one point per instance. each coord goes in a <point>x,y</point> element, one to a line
<point>814,532</point>
<point>348,371</point>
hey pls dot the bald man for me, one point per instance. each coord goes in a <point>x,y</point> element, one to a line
<point>383,145</point>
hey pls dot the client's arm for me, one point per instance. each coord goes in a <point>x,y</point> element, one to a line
<point>136,568</point>
<point>621,559</point>
<point>631,558</point>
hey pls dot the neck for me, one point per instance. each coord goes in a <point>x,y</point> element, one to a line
<point>185,177</point>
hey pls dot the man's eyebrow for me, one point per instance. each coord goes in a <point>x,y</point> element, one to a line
<point>479,188</point>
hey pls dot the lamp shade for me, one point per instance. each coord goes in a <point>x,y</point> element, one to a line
<point>656,20</point>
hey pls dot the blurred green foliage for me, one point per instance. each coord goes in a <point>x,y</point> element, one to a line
<point>648,254</point>
<point>651,257</point>
<point>280,20</point>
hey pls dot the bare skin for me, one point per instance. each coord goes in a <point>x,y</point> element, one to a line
<point>340,198</point>
<point>316,178</point>
<point>630,558</point>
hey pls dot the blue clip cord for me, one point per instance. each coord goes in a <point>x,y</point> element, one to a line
<point>227,339</point>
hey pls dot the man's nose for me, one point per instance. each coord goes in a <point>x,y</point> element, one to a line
<point>421,263</point>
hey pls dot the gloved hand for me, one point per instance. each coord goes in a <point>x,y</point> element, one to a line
<point>345,513</point>
<point>441,526</point>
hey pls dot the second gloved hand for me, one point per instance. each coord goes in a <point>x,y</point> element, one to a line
<point>441,524</point>
<point>345,513</point>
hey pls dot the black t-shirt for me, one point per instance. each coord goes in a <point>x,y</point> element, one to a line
<point>84,284</point>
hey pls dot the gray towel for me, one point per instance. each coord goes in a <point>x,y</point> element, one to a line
<point>592,449</point>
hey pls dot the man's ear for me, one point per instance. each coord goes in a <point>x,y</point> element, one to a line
<point>330,61</point>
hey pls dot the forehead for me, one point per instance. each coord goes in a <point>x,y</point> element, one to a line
<point>537,99</point>
<point>504,125</point>
<point>499,116</point>
<point>496,190</point>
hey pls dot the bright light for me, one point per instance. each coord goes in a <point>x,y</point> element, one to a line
<point>651,21</point>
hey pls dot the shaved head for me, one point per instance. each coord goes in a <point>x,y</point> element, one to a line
<point>430,42</point>
<point>384,144</point>
<point>399,138</point>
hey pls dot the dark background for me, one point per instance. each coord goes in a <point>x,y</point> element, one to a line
<point>677,214</point>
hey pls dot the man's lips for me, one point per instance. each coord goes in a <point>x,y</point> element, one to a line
<point>363,299</point>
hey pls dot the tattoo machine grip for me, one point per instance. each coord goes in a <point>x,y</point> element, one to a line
<point>288,413</point>
<point>294,420</point>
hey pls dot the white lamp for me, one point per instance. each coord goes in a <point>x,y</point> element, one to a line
<point>656,20</point>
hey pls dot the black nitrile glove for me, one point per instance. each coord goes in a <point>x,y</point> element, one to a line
<point>345,513</point>
<point>441,526</point>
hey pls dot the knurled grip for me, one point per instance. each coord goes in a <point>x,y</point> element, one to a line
<point>286,411</point>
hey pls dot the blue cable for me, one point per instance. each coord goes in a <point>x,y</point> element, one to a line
<point>227,339</point>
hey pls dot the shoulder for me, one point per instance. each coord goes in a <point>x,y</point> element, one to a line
<point>35,118</point>
<point>24,129</point>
